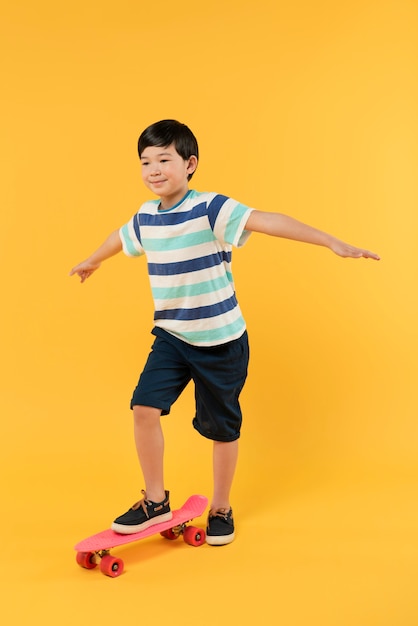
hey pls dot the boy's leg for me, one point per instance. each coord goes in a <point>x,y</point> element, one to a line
<point>225,456</point>
<point>155,506</point>
<point>219,375</point>
<point>220,527</point>
<point>149,441</point>
<point>165,375</point>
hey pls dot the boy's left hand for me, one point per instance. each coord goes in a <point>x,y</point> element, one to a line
<point>347,251</point>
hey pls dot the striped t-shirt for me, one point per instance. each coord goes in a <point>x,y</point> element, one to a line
<point>188,250</point>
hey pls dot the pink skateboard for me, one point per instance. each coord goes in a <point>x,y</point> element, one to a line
<point>97,547</point>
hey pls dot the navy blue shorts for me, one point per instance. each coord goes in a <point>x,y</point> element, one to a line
<point>218,374</point>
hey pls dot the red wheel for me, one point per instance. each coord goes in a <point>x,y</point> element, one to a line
<point>86,559</point>
<point>194,536</point>
<point>111,566</point>
<point>169,534</point>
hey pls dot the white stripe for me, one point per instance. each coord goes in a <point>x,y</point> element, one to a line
<point>180,326</point>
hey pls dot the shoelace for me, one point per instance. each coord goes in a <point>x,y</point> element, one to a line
<point>142,503</point>
<point>223,513</point>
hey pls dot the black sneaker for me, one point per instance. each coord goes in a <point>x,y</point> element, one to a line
<point>142,515</point>
<point>220,527</point>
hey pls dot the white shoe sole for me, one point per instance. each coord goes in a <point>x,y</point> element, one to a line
<point>223,540</point>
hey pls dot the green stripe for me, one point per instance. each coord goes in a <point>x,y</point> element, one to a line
<point>234,222</point>
<point>216,334</point>
<point>128,241</point>
<point>177,243</point>
<point>197,289</point>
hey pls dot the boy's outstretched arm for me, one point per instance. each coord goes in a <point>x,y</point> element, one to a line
<point>279,225</point>
<point>111,246</point>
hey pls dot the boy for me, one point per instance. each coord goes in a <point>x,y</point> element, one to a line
<point>199,330</point>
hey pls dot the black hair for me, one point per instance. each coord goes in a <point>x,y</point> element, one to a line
<point>168,132</point>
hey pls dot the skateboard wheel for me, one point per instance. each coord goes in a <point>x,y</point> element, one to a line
<point>169,534</point>
<point>194,536</point>
<point>111,566</point>
<point>86,560</point>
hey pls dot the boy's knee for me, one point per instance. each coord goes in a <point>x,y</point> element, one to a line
<point>145,413</point>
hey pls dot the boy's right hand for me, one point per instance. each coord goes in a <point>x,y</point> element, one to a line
<point>111,246</point>
<point>85,269</point>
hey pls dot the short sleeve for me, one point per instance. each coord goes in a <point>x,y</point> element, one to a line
<point>130,236</point>
<point>228,218</point>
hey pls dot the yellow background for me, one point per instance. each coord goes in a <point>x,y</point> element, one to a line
<point>309,108</point>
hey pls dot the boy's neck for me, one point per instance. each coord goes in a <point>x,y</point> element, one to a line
<point>166,204</point>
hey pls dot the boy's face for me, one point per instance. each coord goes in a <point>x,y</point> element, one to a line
<point>166,173</point>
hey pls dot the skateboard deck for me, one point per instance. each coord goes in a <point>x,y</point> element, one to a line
<point>96,548</point>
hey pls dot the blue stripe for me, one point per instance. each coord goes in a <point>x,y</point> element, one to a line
<point>200,312</point>
<point>136,222</point>
<point>192,265</point>
<point>170,219</point>
<point>214,207</point>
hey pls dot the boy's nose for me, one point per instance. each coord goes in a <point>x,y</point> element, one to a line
<point>155,170</point>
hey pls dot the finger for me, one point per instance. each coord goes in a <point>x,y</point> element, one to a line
<point>371,255</point>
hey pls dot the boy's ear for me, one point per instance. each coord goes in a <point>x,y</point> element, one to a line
<point>192,164</point>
